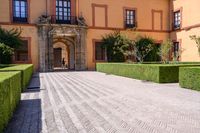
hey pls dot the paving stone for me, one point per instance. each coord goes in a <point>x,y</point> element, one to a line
<point>93,102</point>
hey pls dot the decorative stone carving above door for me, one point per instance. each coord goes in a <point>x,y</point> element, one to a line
<point>68,34</point>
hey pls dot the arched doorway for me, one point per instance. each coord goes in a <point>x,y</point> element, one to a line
<point>63,54</point>
<point>73,36</point>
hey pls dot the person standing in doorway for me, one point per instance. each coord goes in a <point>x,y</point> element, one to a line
<point>63,63</point>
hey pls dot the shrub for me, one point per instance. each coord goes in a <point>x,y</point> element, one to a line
<point>189,77</point>
<point>159,73</point>
<point>145,49</point>
<point>10,92</point>
<point>115,45</point>
<point>26,73</point>
<point>164,51</point>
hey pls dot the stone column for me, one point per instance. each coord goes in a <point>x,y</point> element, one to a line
<point>42,41</point>
<point>80,44</point>
<point>77,51</point>
<point>50,53</point>
<point>83,51</point>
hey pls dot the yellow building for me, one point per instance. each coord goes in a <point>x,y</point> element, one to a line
<point>70,31</point>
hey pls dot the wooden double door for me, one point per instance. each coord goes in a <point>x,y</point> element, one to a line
<point>57,57</point>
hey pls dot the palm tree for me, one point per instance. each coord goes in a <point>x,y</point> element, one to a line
<point>9,40</point>
<point>11,37</point>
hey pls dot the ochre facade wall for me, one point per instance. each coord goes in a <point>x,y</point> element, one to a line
<point>190,51</point>
<point>153,19</point>
<point>115,12</point>
<point>105,16</point>
<point>4,11</point>
<point>29,32</point>
<point>96,34</point>
<point>190,26</point>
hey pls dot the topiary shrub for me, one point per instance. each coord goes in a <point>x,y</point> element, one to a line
<point>10,93</point>
<point>26,73</point>
<point>189,77</point>
<point>159,73</point>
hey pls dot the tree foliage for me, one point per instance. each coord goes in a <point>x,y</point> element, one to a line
<point>11,37</point>
<point>145,49</point>
<point>120,48</point>
<point>5,54</point>
<point>115,44</point>
<point>197,40</point>
<point>176,55</point>
<point>9,40</point>
<point>164,50</point>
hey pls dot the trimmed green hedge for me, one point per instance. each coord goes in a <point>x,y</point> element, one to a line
<point>189,77</point>
<point>10,93</point>
<point>159,73</point>
<point>171,63</point>
<point>26,72</point>
<point>6,65</point>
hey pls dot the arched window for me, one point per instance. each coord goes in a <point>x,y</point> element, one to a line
<point>20,11</point>
<point>63,11</point>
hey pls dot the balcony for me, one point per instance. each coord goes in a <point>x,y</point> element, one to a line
<point>72,20</point>
<point>20,20</point>
<point>176,26</point>
<point>133,25</point>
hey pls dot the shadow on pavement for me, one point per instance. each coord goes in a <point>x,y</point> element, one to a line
<point>26,118</point>
<point>28,114</point>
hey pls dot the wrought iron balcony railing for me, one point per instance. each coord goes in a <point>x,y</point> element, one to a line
<point>20,20</point>
<point>176,26</point>
<point>133,25</point>
<point>64,20</point>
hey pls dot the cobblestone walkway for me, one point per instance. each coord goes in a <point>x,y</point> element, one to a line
<point>81,102</point>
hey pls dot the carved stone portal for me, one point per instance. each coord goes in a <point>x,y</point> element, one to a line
<point>71,35</point>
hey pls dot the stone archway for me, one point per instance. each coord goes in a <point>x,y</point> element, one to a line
<point>61,52</point>
<point>68,52</point>
<point>68,34</point>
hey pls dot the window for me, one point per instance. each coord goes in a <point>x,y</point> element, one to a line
<point>63,11</point>
<point>21,53</point>
<point>20,10</point>
<point>177,19</point>
<point>176,49</point>
<point>130,21</point>
<point>100,52</point>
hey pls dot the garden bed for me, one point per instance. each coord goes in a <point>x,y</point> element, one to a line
<point>159,73</point>
<point>10,92</point>
<point>26,73</point>
<point>189,77</point>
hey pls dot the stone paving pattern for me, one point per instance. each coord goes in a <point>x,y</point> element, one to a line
<point>92,102</point>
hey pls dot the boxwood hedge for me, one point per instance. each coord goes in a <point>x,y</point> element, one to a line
<point>7,65</point>
<point>10,92</point>
<point>159,73</point>
<point>189,77</point>
<point>26,72</point>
